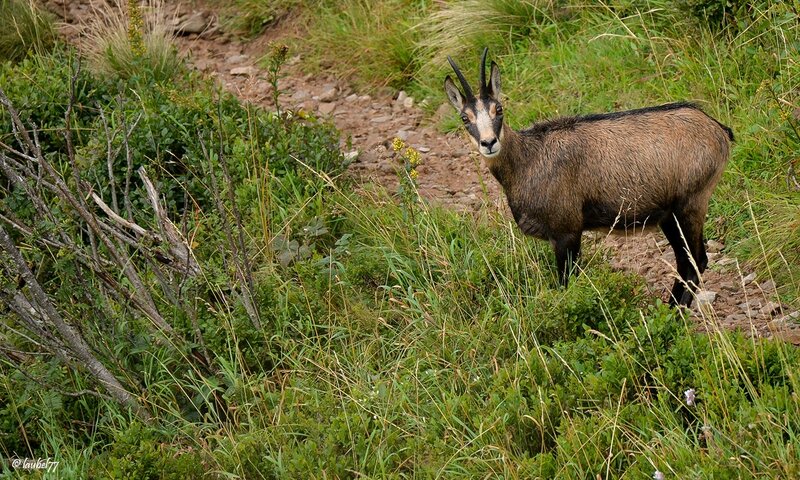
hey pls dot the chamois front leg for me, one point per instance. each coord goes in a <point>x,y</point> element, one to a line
<point>567,248</point>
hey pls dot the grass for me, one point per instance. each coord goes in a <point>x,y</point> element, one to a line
<point>24,28</point>
<point>250,17</point>
<point>132,41</point>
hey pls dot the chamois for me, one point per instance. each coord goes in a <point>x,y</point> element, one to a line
<point>612,171</point>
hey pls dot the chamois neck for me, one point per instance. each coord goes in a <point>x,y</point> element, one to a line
<point>504,165</point>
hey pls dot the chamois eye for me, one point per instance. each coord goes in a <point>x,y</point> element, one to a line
<point>464,119</point>
<point>498,110</point>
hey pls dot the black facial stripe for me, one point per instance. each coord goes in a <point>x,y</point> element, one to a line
<point>497,125</point>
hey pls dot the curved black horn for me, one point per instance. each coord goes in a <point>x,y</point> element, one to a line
<point>484,86</point>
<point>464,84</point>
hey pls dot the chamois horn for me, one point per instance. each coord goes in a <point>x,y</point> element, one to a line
<point>464,84</point>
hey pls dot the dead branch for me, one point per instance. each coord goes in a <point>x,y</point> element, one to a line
<point>74,342</point>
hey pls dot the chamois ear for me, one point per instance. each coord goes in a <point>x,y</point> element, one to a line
<point>453,94</point>
<point>494,81</point>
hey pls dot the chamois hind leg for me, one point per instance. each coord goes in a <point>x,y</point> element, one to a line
<point>684,230</point>
<point>567,248</point>
<point>670,228</point>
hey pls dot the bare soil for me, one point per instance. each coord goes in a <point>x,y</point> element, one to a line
<point>450,173</point>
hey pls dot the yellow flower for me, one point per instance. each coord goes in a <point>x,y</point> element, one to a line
<point>398,144</point>
<point>136,28</point>
<point>413,157</point>
<point>413,174</point>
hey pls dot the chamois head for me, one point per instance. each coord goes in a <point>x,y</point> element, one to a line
<point>482,115</point>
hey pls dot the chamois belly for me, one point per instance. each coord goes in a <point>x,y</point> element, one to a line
<point>624,218</point>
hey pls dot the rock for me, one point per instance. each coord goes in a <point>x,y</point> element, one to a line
<point>408,102</point>
<point>770,308</point>
<point>790,319</point>
<point>326,108</point>
<point>749,278</point>
<point>401,97</point>
<point>195,22</point>
<point>424,149</point>
<point>309,105</point>
<point>351,98</point>
<point>382,119</point>
<point>402,135</point>
<point>387,167</point>
<point>728,287</point>
<point>328,94</point>
<point>351,156</point>
<point>662,243</point>
<point>714,246</point>
<point>238,59</point>
<point>725,261</point>
<point>751,305</point>
<point>246,71</point>
<point>364,98</point>
<point>705,298</point>
<point>442,112</point>
<point>736,318</point>
<point>300,95</point>
<point>767,286</point>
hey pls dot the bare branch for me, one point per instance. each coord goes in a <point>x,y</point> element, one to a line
<point>72,339</point>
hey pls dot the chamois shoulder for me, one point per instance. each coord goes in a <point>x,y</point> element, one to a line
<point>568,123</point>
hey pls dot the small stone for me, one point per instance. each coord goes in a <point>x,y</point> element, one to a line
<point>770,308</point>
<point>725,261</point>
<point>749,278</point>
<point>444,110</point>
<point>402,135</point>
<point>714,246</point>
<point>401,97</point>
<point>382,119</point>
<point>767,286</point>
<point>364,98</point>
<point>245,71</point>
<point>705,298</point>
<point>329,94</point>
<point>662,243</point>
<point>238,59</point>
<point>424,149</point>
<point>351,156</point>
<point>351,98</point>
<point>751,305</point>
<point>736,318</point>
<point>728,287</point>
<point>307,106</point>
<point>326,108</point>
<point>408,102</point>
<point>195,22</point>
<point>300,95</point>
<point>790,319</point>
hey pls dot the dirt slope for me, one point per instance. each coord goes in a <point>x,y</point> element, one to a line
<point>450,173</point>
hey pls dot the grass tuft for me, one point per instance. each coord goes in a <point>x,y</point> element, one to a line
<point>133,40</point>
<point>24,28</point>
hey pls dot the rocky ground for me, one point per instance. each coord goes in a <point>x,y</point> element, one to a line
<point>450,174</point>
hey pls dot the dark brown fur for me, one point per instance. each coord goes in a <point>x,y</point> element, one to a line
<point>622,172</point>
